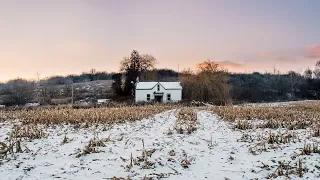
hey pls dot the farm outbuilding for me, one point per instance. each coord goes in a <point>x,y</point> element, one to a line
<point>158,91</point>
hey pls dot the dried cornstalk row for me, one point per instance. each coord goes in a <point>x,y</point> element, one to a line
<point>292,117</point>
<point>186,121</point>
<point>29,132</point>
<point>7,115</point>
<point>88,116</point>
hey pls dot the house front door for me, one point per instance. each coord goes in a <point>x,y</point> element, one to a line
<point>158,98</point>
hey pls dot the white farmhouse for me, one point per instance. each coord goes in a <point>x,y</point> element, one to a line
<point>158,91</point>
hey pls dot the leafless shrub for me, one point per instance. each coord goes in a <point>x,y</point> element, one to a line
<point>19,91</point>
<point>209,84</point>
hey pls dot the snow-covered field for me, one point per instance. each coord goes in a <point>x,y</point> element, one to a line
<point>214,151</point>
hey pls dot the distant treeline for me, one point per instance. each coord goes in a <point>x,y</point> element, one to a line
<point>255,87</point>
<point>92,75</point>
<point>208,83</point>
<point>267,87</point>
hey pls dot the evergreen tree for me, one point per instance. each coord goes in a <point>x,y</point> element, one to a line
<point>133,67</point>
<point>132,72</point>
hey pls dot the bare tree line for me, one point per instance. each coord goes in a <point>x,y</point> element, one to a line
<point>209,83</point>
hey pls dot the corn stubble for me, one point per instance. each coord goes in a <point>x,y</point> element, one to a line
<point>69,115</point>
<point>186,121</point>
<point>299,116</point>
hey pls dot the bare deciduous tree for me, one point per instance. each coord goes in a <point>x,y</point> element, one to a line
<point>316,71</point>
<point>67,87</point>
<point>19,91</point>
<point>46,91</point>
<point>145,62</point>
<point>308,73</point>
<point>208,84</point>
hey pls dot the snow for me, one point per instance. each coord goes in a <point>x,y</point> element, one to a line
<point>171,85</point>
<point>215,149</point>
<point>145,85</point>
<point>166,85</point>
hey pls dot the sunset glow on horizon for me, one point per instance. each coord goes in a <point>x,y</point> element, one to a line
<point>61,37</point>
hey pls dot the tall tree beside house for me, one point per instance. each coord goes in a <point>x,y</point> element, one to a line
<point>209,84</point>
<point>132,71</point>
<point>134,67</point>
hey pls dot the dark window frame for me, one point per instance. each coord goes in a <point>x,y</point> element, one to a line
<point>148,97</point>
<point>169,97</point>
<point>158,88</point>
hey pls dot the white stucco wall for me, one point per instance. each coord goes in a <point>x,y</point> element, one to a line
<point>141,95</point>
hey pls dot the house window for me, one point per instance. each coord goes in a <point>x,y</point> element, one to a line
<point>158,87</point>
<point>148,97</point>
<point>169,97</point>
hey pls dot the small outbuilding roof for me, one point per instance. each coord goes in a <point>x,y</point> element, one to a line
<point>165,85</point>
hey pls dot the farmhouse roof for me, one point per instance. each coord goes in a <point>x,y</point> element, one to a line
<point>165,85</point>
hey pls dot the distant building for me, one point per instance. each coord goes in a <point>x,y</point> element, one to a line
<point>103,101</point>
<point>158,91</point>
<point>32,105</point>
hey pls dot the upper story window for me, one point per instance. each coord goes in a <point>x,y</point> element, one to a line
<point>158,87</point>
<point>148,97</point>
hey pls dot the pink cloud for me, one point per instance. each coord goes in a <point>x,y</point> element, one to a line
<point>313,51</point>
<point>264,55</point>
<point>279,57</point>
<point>232,66</point>
<point>229,64</point>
